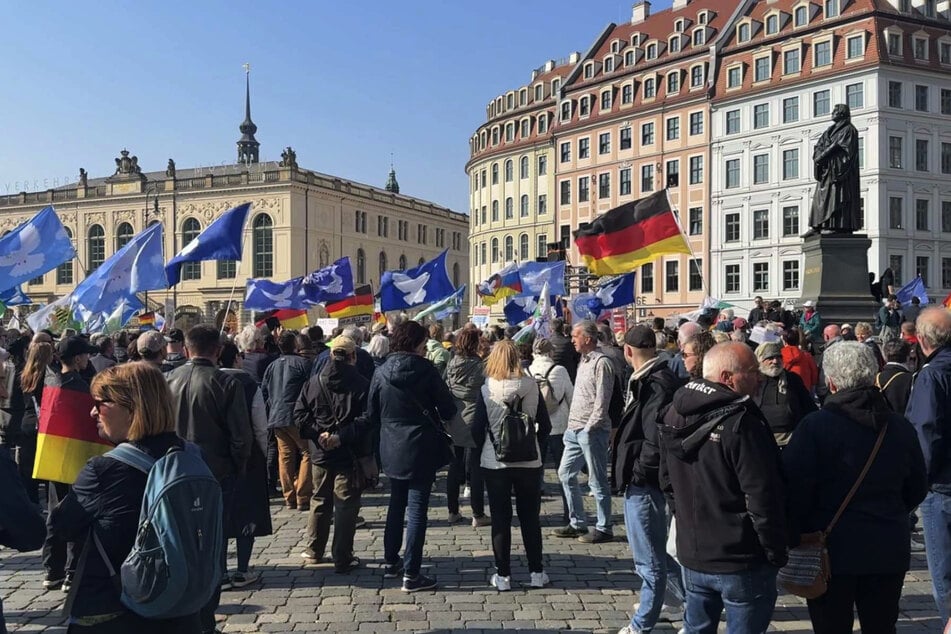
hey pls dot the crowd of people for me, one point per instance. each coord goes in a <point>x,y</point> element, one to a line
<point>723,440</point>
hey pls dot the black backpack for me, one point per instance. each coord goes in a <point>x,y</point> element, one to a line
<point>515,439</point>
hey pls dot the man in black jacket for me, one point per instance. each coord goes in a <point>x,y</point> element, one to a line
<point>895,379</point>
<point>563,352</point>
<point>782,398</point>
<point>634,474</point>
<point>211,412</point>
<point>720,462</point>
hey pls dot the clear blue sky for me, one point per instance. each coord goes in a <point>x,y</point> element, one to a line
<point>344,83</point>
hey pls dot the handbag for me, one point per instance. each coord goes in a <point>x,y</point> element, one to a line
<point>366,470</point>
<point>807,572</point>
<point>444,438</point>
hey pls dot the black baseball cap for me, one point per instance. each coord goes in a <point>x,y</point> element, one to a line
<point>70,347</point>
<point>176,335</point>
<point>640,336</point>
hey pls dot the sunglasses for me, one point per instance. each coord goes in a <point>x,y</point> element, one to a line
<point>98,403</point>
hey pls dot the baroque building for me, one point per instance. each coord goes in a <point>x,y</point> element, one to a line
<point>722,103</point>
<point>300,220</point>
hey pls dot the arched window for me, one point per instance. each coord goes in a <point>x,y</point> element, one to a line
<point>508,171</point>
<point>509,248</point>
<point>509,208</point>
<point>96,247</point>
<point>124,233</point>
<point>455,274</point>
<point>523,206</point>
<point>523,167</point>
<point>361,267</point>
<point>262,249</point>
<point>523,247</point>
<point>403,262</point>
<point>151,223</point>
<point>190,230</point>
<point>356,221</point>
<point>495,211</point>
<point>64,272</point>
<point>495,173</point>
<point>495,250</point>
<point>421,262</point>
<point>382,263</point>
<point>324,257</point>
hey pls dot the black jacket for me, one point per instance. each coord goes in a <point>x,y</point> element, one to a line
<point>895,383</point>
<point>635,456</point>
<point>21,525</point>
<point>823,461</point>
<point>725,476</point>
<point>563,353</point>
<point>784,401</point>
<point>410,444</point>
<point>344,414</point>
<point>365,365</point>
<point>210,409</point>
<point>108,496</point>
<point>281,385</point>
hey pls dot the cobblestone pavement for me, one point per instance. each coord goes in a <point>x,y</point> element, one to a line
<point>593,586</point>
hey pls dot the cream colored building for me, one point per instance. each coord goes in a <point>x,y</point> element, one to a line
<point>299,220</point>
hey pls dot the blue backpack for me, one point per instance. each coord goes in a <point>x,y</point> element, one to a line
<point>175,564</point>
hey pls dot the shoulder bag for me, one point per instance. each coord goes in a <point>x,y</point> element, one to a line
<point>807,573</point>
<point>366,470</point>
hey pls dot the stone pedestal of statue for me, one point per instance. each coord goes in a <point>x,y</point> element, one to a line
<point>836,277</point>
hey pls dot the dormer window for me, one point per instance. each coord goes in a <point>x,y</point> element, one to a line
<point>679,25</point>
<point>588,71</point>
<point>606,101</point>
<point>801,15</point>
<point>855,46</point>
<point>555,85</point>
<point>699,36</point>
<point>734,76</point>
<point>930,7</point>
<point>652,50</point>
<point>539,92</point>
<point>609,64</point>
<point>629,58</point>
<point>566,111</point>
<point>674,44</point>
<point>523,96</point>
<point>702,17</point>
<point>495,135</point>
<point>831,9</point>
<point>543,123</point>
<point>772,24</point>
<point>673,82</point>
<point>636,39</point>
<point>696,76</point>
<point>650,88</point>
<point>510,101</point>
<point>584,107</point>
<point>920,48</point>
<point>893,39</point>
<point>509,132</point>
<point>743,32</point>
<point>526,128</point>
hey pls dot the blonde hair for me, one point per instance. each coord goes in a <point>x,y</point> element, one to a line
<point>37,361</point>
<point>503,361</point>
<point>863,328</point>
<point>141,388</point>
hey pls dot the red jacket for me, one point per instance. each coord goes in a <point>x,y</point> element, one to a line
<point>801,362</point>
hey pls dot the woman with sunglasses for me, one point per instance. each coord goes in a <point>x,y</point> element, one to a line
<point>131,403</point>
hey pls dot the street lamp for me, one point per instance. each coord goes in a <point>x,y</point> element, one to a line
<point>153,190</point>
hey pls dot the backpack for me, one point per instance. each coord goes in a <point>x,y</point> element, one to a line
<point>548,391</point>
<point>516,440</point>
<point>174,566</point>
<point>616,406</point>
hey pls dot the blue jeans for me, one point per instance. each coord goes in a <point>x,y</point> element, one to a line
<point>749,598</point>
<point>645,519</point>
<point>589,447</point>
<point>936,516</point>
<point>407,497</point>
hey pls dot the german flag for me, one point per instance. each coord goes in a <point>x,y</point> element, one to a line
<point>947,301</point>
<point>67,435</point>
<point>630,235</point>
<point>360,303</point>
<point>291,319</point>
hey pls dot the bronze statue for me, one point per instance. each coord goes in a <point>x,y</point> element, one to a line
<point>83,177</point>
<point>288,158</point>
<point>127,165</point>
<point>835,204</point>
<point>170,170</point>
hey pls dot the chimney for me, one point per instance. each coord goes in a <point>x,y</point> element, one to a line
<point>944,9</point>
<point>549,65</point>
<point>641,12</point>
<point>680,4</point>
<point>574,57</point>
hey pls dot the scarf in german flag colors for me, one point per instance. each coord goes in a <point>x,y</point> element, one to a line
<point>630,235</point>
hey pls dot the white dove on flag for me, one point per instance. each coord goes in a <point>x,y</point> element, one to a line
<point>282,299</point>
<point>606,293</point>
<point>25,259</point>
<point>336,282</point>
<point>414,287</point>
<point>191,246</point>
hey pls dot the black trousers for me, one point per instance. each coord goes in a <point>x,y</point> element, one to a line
<point>500,483</point>
<point>875,596</point>
<point>59,556</point>
<point>461,459</point>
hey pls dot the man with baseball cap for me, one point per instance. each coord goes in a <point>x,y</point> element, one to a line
<point>151,347</point>
<point>635,476</point>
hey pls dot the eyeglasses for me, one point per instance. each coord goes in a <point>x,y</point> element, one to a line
<point>98,403</point>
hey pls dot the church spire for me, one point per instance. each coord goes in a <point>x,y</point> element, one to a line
<point>391,184</point>
<point>247,144</point>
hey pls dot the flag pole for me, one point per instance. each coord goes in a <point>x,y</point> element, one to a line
<point>234,285</point>
<point>693,255</point>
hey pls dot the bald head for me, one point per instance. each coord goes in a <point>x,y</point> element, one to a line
<point>686,331</point>
<point>830,332</point>
<point>733,365</point>
<point>934,329</point>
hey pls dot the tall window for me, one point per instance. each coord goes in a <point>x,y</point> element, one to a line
<point>791,275</point>
<point>625,178</point>
<point>695,282</point>
<point>791,110</point>
<point>791,62</point>
<point>695,225</point>
<point>732,228</point>
<point>190,230</point>
<point>96,247</point>
<point>584,148</point>
<point>855,96</point>
<point>760,169</point>
<point>541,245</point>
<point>732,278</point>
<point>732,173</point>
<point>383,268</point>
<point>760,277</point>
<point>672,276</point>
<point>647,178</point>
<point>64,272</point>
<point>895,152</point>
<point>820,103</point>
<point>495,173</point>
<point>509,248</point>
<point>761,116</point>
<point>403,261</point>
<point>523,167</point>
<point>523,206</point>
<point>790,221</point>
<point>361,267</point>
<point>523,253</point>
<point>604,185</point>
<point>921,267</point>
<point>647,134</point>
<point>761,68</point>
<point>124,233</point>
<point>921,98</point>
<point>894,94</point>
<point>508,171</point>
<point>696,170</point>
<point>509,208</point>
<point>647,278</point>
<point>625,138</point>
<point>921,155</point>
<point>790,164</point>
<point>760,224</point>
<point>922,212</point>
<point>896,214</point>
<point>696,123</point>
<point>822,53</point>
<point>262,249</point>
<point>583,189</point>
<point>495,250</point>
<point>542,204</point>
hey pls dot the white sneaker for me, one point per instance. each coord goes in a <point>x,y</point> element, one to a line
<point>500,583</point>
<point>667,612</point>
<point>539,580</point>
<point>628,629</point>
<point>466,494</point>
